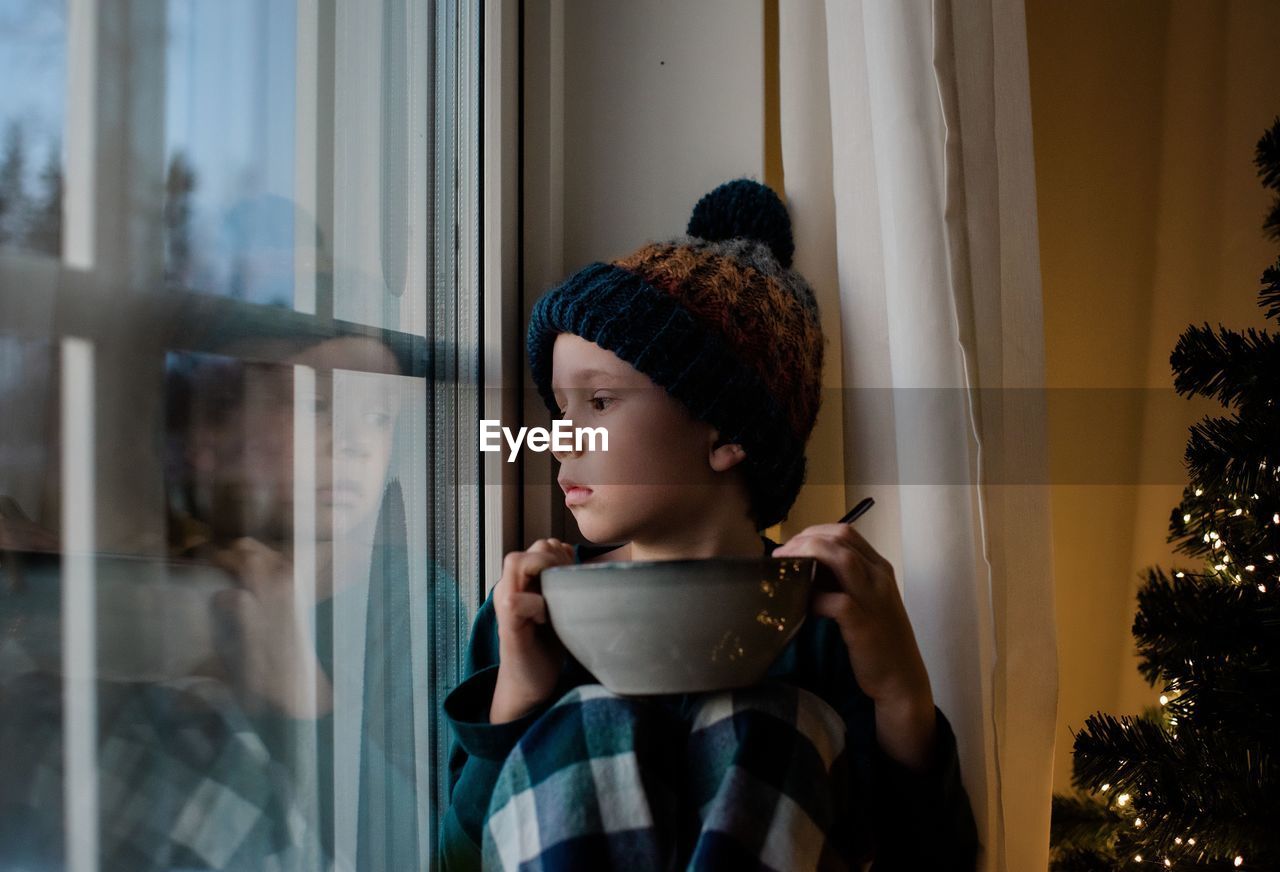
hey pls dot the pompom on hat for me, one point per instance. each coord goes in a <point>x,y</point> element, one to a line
<point>719,319</point>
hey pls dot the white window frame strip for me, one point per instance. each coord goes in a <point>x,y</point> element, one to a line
<point>500,345</point>
<point>360,217</point>
<point>306,109</point>
<point>304,581</point>
<point>349,646</point>
<point>470,288</point>
<point>79,607</point>
<point>79,188</point>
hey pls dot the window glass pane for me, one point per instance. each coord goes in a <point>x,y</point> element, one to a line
<point>381,136</point>
<point>231,217</point>
<point>239,522</point>
<point>33,52</point>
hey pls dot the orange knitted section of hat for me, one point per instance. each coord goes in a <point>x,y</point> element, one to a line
<point>773,331</point>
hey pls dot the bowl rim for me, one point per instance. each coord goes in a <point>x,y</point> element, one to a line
<point>682,561</point>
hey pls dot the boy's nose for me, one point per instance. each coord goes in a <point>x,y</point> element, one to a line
<point>563,455</point>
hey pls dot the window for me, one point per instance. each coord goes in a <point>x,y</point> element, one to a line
<point>239,475</point>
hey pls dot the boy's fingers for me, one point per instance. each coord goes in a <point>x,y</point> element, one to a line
<point>848,566</point>
<point>523,567</point>
<point>837,605</point>
<point>255,566</point>
<point>233,602</point>
<point>554,546</point>
<point>527,606</point>
<point>263,570</point>
<point>226,560</point>
<point>846,536</point>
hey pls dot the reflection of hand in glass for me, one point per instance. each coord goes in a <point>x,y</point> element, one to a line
<point>20,533</point>
<point>270,649</point>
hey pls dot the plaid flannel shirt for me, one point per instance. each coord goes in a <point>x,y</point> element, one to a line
<point>187,780</point>
<point>758,764</point>
<point>900,818</point>
<point>184,782</point>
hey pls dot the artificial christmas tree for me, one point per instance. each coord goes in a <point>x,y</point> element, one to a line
<point>1194,783</point>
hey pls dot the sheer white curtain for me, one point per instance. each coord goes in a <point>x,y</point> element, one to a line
<point>907,143</point>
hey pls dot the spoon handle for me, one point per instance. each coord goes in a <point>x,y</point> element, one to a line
<point>858,511</point>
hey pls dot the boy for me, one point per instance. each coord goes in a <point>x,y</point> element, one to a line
<point>702,359</point>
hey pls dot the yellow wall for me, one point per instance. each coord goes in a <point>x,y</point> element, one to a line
<point>1145,117</point>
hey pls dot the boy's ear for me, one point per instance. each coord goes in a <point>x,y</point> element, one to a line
<point>725,455</point>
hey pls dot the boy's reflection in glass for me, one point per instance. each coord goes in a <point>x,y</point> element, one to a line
<point>235,502</point>
<point>229,764</point>
<point>237,505</point>
<point>237,438</point>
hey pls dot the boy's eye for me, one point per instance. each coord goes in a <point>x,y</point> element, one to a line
<point>597,403</point>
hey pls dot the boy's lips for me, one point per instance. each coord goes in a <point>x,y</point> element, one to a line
<point>574,493</point>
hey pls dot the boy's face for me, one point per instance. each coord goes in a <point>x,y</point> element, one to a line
<point>657,474</point>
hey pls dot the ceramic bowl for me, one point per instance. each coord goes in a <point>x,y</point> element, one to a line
<point>678,626</point>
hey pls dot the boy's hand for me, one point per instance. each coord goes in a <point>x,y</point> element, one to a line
<point>856,589</point>
<point>530,656</point>
<point>270,650</point>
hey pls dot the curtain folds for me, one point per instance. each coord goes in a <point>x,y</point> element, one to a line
<point>907,147</point>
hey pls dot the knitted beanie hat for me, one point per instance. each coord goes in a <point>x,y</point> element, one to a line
<point>719,319</point>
